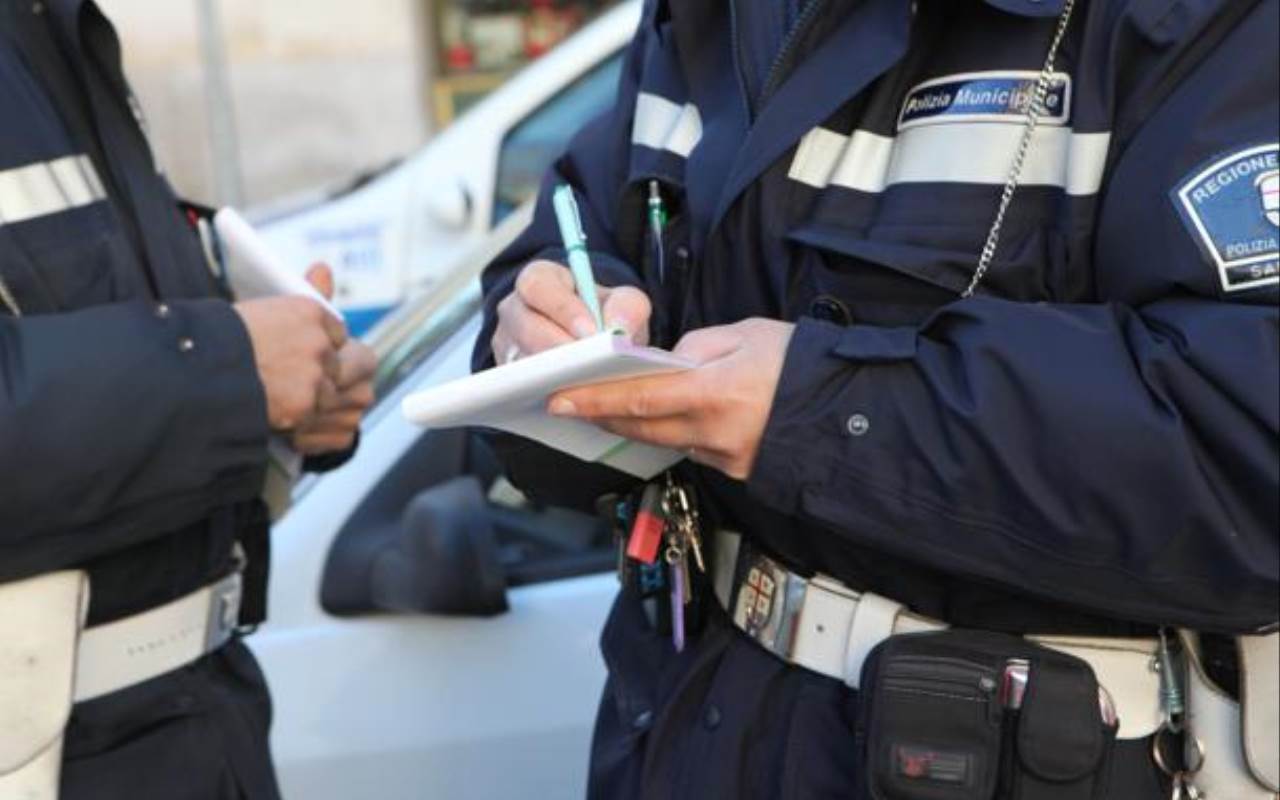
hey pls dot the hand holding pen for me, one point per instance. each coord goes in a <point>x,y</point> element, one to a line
<point>545,310</point>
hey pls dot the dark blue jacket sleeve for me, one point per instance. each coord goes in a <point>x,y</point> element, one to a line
<point>595,165</point>
<point>111,431</point>
<point>1120,459</point>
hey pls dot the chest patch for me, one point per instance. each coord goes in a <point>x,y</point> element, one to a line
<point>1232,208</point>
<point>984,97</point>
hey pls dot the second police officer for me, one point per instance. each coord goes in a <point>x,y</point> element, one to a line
<point>984,294</point>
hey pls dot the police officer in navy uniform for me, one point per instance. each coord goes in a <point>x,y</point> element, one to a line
<point>135,408</point>
<point>984,294</point>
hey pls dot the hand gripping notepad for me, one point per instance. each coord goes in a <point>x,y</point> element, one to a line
<point>513,398</point>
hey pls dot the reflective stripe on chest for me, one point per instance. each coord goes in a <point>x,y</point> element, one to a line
<point>49,187</point>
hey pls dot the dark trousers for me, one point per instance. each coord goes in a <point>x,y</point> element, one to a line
<point>726,720</point>
<point>198,733</point>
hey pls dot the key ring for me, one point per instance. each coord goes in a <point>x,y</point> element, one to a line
<point>1157,754</point>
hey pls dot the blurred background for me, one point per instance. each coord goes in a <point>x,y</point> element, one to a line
<point>252,101</point>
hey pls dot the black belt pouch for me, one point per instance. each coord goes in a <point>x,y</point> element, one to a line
<point>933,722</point>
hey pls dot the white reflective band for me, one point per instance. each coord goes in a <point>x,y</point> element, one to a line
<point>663,125</point>
<point>968,152</point>
<point>50,187</point>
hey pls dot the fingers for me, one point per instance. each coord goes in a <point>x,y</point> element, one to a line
<point>529,332</point>
<point>317,444</point>
<point>357,363</point>
<point>642,398</point>
<point>548,289</point>
<point>629,308</point>
<point>335,328</point>
<point>321,277</point>
<point>675,433</point>
<point>327,433</point>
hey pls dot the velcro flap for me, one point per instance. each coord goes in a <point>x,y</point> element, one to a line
<point>1260,683</point>
<point>40,622</point>
<point>1060,732</point>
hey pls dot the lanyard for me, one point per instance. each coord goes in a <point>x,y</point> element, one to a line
<point>1034,111</point>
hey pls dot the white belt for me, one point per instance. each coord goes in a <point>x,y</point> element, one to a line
<point>120,654</point>
<point>826,627</point>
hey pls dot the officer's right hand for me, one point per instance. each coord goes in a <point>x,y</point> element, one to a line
<point>295,347</point>
<point>545,311</point>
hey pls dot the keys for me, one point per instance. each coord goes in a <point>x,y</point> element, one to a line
<point>684,519</point>
<point>650,523</point>
<point>1184,788</point>
<point>663,539</point>
<point>1172,697</point>
<point>679,567</point>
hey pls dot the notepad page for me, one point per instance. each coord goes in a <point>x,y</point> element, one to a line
<point>513,398</point>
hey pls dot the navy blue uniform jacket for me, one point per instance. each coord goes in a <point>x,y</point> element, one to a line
<point>1095,433</point>
<point>132,421</point>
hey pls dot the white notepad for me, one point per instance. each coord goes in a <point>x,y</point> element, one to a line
<point>253,270</point>
<point>513,398</point>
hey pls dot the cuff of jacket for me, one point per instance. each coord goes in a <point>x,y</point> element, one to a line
<point>829,398</point>
<point>228,400</point>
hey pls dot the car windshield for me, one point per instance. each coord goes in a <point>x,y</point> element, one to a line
<point>532,145</point>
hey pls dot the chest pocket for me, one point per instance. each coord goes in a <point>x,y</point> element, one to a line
<point>57,241</point>
<point>891,259</point>
<point>898,273</point>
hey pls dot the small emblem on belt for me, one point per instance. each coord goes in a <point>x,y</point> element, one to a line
<point>755,601</point>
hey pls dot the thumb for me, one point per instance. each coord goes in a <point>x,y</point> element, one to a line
<point>321,277</point>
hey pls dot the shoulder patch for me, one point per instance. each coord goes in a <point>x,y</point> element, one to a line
<point>1232,207</point>
<point>985,97</point>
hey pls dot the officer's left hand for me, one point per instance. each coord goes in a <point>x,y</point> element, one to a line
<point>716,413</point>
<point>343,403</point>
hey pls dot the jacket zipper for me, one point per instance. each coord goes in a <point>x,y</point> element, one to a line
<point>747,105</point>
<point>778,70</point>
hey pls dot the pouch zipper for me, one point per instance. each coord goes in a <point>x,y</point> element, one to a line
<point>925,671</point>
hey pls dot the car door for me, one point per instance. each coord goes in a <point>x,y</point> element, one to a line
<point>414,704</point>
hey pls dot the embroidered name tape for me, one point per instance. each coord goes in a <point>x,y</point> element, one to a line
<point>985,97</point>
<point>1232,207</point>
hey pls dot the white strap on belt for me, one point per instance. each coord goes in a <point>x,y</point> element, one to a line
<point>124,653</point>
<point>826,627</point>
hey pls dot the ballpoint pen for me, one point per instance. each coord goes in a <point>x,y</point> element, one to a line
<point>575,245</point>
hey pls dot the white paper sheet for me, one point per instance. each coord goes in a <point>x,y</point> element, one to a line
<point>513,398</point>
<point>253,270</point>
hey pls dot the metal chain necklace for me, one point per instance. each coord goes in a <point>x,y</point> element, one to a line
<point>1034,110</point>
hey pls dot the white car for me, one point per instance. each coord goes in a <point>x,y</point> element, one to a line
<point>408,227</point>
<point>395,669</point>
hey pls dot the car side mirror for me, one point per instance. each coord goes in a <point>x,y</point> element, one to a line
<point>449,204</point>
<point>445,558</point>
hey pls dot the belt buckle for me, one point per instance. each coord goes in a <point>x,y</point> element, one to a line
<point>224,611</point>
<point>768,602</point>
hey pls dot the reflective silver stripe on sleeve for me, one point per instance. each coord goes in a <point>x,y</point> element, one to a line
<point>663,125</point>
<point>974,152</point>
<point>50,187</point>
